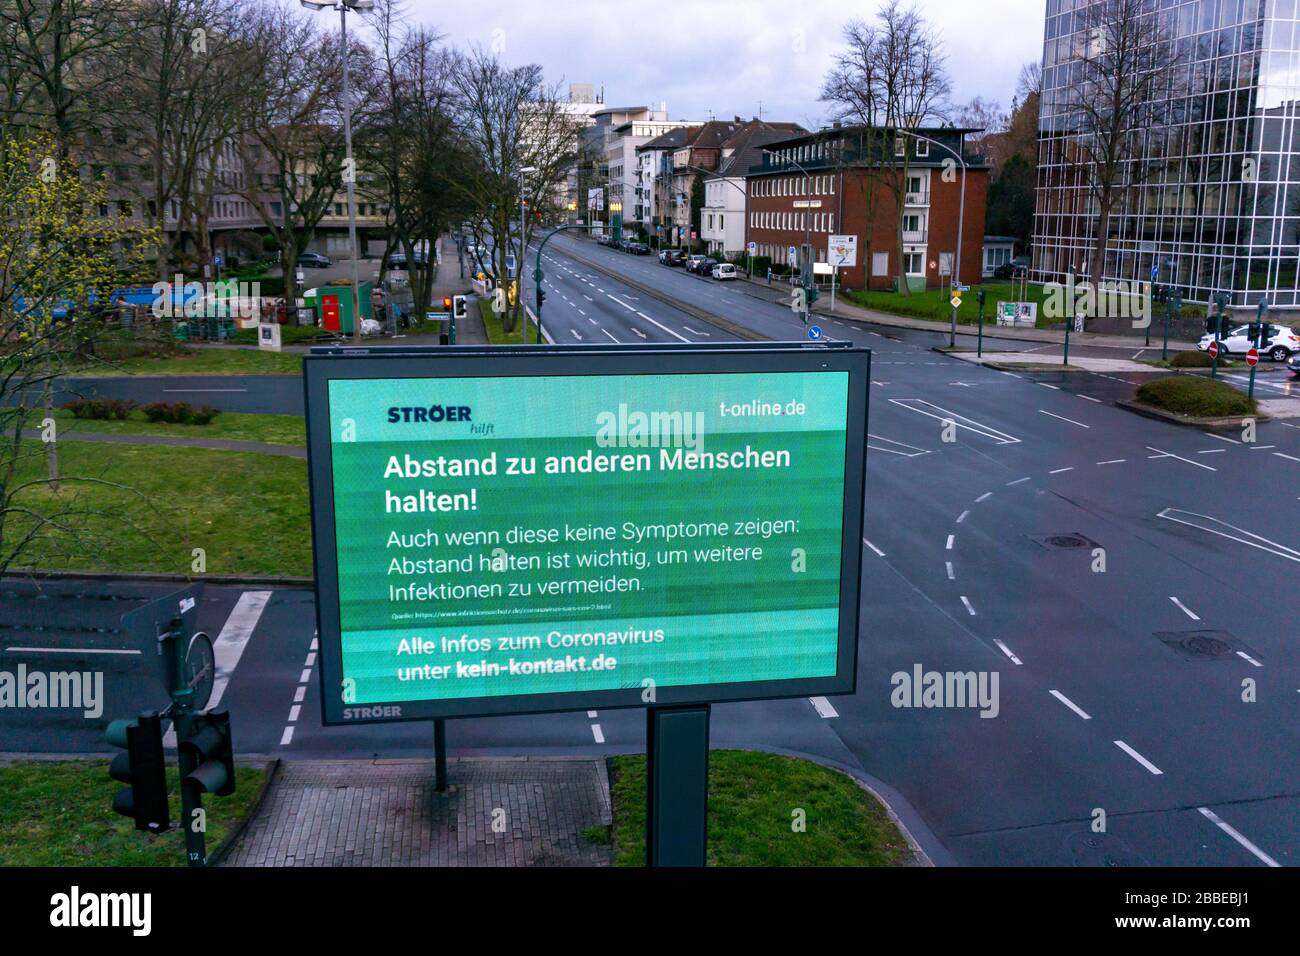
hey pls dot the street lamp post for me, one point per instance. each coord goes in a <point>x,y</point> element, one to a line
<point>961,221</point>
<point>343,6</point>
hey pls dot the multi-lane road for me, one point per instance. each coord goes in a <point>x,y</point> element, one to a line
<point>1129,582</point>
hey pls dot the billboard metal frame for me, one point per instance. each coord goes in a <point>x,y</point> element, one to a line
<point>331,363</point>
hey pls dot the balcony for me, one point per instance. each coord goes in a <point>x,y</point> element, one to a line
<point>921,198</point>
<point>915,236</point>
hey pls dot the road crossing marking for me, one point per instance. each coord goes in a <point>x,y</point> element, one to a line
<point>823,707</point>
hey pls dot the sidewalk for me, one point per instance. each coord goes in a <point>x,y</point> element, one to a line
<point>522,811</point>
<point>780,292</point>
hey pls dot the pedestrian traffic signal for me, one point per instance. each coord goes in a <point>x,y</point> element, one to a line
<point>446,303</point>
<point>143,768</point>
<point>459,307</point>
<point>207,752</point>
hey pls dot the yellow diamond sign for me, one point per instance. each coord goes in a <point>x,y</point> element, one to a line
<point>956,301</point>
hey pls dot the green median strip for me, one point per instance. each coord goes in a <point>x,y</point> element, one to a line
<point>231,426</point>
<point>201,360</point>
<point>59,813</point>
<point>496,333</point>
<point>767,810</point>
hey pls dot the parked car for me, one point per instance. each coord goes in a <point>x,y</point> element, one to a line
<point>673,257</point>
<point>641,249</point>
<point>397,261</point>
<point>1008,269</point>
<point>724,270</point>
<point>1284,343</point>
<point>705,266</point>
<point>313,260</point>
<point>693,261</point>
<point>1294,365</point>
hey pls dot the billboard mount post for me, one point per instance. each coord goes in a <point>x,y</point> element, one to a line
<point>440,756</point>
<point>677,785</point>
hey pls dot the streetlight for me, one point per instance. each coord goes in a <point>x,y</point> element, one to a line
<point>523,244</point>
<point>961,220</point>
<point>343,6</point>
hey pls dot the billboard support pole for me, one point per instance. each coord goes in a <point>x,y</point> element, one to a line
<point>440,756</point>
<point>677,792</point>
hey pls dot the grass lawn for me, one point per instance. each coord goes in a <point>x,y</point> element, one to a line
<point>237,426</point>
<point>204,360</point>
<point>1197,396</point>
<point>933,303</point>
<point>752,797</point>
<point>249,512</point>
<point>290,335</point>
<point>492,324</point>
<point>60,814</point>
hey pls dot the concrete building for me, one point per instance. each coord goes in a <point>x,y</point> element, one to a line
<point>838,182</point>
<point>1216,207</point>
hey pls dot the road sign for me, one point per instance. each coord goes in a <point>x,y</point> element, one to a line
<point>955,300</point>
<point>815,333</point>
<point>792,255</point>
<point>216,261</point>
<point>1252,357</point>
<point>1213,350</point>
<point>751,247</point>
<point>200,669</point>
<point>694,539</point>
<point>843,251</point>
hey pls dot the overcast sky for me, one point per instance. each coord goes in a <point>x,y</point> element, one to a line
<point>726,56</point>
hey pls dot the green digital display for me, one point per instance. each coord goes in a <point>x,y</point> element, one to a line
<point>532,542</point>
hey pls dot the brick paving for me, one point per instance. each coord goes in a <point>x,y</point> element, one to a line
<point>496,812</point>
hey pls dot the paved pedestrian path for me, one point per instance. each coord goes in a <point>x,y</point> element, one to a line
<point>525,811</point>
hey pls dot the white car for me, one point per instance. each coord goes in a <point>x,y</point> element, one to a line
<point>1281,346</point>
<point>724,270</point>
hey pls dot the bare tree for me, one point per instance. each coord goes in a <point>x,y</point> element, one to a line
<point>513,121</point>
<point>890,78</point>
<point>1127,64</point>
<point>292,140</point>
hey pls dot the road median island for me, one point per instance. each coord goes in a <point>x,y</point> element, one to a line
<point>59,813</point>
<point>769,810</point>
<point>1193,400</point>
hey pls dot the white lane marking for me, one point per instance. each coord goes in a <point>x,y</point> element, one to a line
<point>961,421</point>
<point>591,714</point>
<point>948,546</point>
<point>1221,438</point>
<point>1287,457</point>
<point>287,737</point>
<point>1213,451</point>
<point>1018,481</point>
<point>314,645</point>
<point>1007,651</point>
<point>696,331</point>
<point>983,497</point>
<point>294,711</point>
<point>1272,547</point>
<point>879,553</point>
<point>1055,388</point>
<point>1169,454</point>
<point>1064,419</point>
<point>915,452</point>
<point>300,693</point>
<point>1184,608</point>
<point>611,338</point>
<point>1139,758</point>
<point>966,601</point>
<point>304,677</point>
<point>598,733</point>
<point>962,517</point>
<point>676,335</point>
<point>229,646</point>
<point>823,707</point>
<point>1060,470</point>
<point>1069,703</point>
<point>951,575</point>
<point>1089,398</point>
<point>1261,447</point>
<point>576,335</point>
<point>1113,461</point>
<point>311,659</point>
<point>67,650</point>
<point>1246,657</point>
<point>1236,835</point>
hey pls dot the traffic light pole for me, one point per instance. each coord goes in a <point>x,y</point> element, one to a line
<point>538,275</point>
<point>440,756</point>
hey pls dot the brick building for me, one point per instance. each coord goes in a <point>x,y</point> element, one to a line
<point>836,182</point>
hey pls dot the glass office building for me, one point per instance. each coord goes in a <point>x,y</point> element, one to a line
<point>1217,207</point>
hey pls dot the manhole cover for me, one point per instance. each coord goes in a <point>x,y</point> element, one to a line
<point>1065,542</point>
<point>1202,645</point>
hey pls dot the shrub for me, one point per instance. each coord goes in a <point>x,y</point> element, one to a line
<point>1196,396</point>
<point>101,409</point>
<point>761,264</point>
<point>1192,358</point>
<point>179,413</point>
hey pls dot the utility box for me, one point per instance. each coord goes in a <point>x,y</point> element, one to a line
<point>334,305</point>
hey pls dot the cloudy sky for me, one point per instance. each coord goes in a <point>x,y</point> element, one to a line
<point>726,56</point>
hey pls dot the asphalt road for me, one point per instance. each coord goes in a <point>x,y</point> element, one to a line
<point>1128,581</point>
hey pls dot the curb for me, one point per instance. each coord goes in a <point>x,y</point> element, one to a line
<point>1233,422</point>
<point>248,580</point>
<point>216,857</point>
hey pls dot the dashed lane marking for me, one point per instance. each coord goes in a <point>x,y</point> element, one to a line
<point>1236,835</point>
<point>823,708</point>
<point>1007,651</point>
<point>1156,771</point>
<point>1184,608</point>
<point>1069,703</point>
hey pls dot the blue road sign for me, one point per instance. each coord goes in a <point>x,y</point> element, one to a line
<point>815,332</point>
<point>1155,271</point>
<point>216,261</point>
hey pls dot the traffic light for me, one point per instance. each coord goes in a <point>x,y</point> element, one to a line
<point>459,307</point>
<point>541,297</point>
<point>980,295</point>
<point>210,754</point>
<point>1266,334</point>
<point>143,768</point>
<point>446,303</point>
<point>812,295</point>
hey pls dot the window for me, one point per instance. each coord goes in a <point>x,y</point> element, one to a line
<point>900,146</point>
<point>914,263</point>
<point>922,148</point>
<point>880,263</point>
